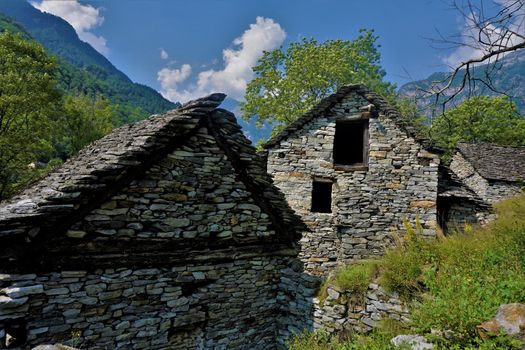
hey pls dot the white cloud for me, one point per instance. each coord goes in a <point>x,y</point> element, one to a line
<point>470,47</point>
<point>263,35</point>
<point>169,80</point>
<point>81,17</point>
<point>163,54</point>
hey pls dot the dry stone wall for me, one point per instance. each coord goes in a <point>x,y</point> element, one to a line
<point>219,306</point>
<point>183,257</point>
<point>192,194</point>
<point>368,203</point>
<point>344,311</point>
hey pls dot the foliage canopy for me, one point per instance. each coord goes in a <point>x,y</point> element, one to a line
<point>28,103</point>
<point>480,119</point>
<point>290,81</point>
<point>84,121</point>
<point>39,127</point>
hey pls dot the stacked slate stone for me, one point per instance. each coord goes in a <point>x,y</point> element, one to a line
<point>345,311</point>
<point>492,172</point>
<point>478,176</point>
<point>398,181</point>
<point>332,100</point>
<point>167,233</point>
<point>458,205</point>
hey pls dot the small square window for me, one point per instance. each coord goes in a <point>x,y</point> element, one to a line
<point>322,197</point>
<point>351,142</point>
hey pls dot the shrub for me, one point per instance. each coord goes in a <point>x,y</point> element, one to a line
<point>353,278</point>
<point>402,269</point>
<point>356,277</point>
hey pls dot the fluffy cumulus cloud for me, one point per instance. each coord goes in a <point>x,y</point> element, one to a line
<point>471,48</point>
<point>81,17</point>
<point>170,79</point>
<point>263,35</point>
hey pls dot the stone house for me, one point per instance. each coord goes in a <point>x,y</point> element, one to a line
<point>354,170</point>
<point>165,234</point>
<point>492,172</point>
<point>479,175</point>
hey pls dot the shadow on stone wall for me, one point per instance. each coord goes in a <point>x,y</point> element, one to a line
<point>297,291</point>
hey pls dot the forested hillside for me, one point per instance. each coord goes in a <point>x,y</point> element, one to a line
<point>82,70</point>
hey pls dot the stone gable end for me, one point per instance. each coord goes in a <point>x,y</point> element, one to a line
<point>369,202</point>
<point>194,194</point>
<point>191,253</point>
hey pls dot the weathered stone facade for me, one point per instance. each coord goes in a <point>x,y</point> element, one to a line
<point>458,205</point>
<point>166,234</point>
<point>225,305</point>
<point>344,311</point>
<point>397,182</point>
<point>478,176</point>
<point>492,172</point>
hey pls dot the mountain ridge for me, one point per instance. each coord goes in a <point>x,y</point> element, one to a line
<point>82,69</point>
<point>509,78</point>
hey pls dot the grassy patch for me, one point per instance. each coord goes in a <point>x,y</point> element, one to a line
<point>322,341</point>
<point>356,277</point>
<point>353,278</point>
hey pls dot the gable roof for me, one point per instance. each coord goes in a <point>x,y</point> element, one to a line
<point>326,103</point>
<point>451,186</point>
<point>104,167</point>
<point>495,162</point>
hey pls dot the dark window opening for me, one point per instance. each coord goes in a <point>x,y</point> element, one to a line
<point>351,142</point>
<point>15,333</point>
<point>322,197</point>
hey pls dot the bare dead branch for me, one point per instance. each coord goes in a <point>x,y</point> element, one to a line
<point>492,29</point>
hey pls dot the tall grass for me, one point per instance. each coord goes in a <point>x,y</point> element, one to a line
<point>354,278</point>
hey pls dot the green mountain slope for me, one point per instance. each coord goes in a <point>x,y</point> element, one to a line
<point>508,77</point>
<point>7,24</point>
<point>82,69</point>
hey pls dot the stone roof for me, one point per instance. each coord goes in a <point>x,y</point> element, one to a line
<point>494,162</point>
<point>450,186</point>
<point>326,103</point>
<point>109,164</point>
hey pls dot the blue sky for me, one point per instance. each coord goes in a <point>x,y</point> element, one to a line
<point>186,48</point>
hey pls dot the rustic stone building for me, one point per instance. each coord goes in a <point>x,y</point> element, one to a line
<point>165,234</point>
<point>478,176</point>
<point>492,172</point>
<point>354,170</point>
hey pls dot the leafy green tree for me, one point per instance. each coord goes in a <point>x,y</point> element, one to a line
<point>84,121</point>
<point>479,119</point>
<point>28,102</point>
<point>412,114</point>
<point>290,81</point>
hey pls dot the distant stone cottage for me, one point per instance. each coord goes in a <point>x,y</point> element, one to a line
<point>478,175</point>
<point>165,234</point>
<point>354,170</point>
<point>492,172</point>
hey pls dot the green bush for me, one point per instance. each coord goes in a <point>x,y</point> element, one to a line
<point>473,273</point>
<point>403,268</point>
<point>356,278</point>
<point>353,278</point>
